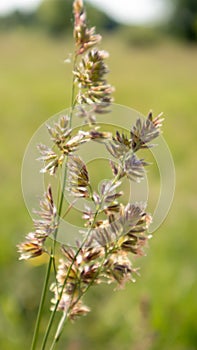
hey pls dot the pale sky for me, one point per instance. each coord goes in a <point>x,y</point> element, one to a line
<point>128,11</point>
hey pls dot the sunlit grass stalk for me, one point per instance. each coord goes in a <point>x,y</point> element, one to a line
<point>42,300</point>
<point>52,254</point>
<point>59,330</point>
<point>61,202</point>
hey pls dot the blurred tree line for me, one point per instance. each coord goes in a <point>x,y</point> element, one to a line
<point>55,18</point>
<point>183,22</point>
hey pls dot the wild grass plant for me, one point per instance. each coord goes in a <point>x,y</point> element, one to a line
<point>113,231</point>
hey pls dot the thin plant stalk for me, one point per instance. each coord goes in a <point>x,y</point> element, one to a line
<point>61,202</point>
<point>59,330</point>
<point>73,101</point>
<point>52,254</point>
<point>45,288</point>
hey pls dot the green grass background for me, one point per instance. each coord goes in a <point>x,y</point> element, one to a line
<point>160,310</point>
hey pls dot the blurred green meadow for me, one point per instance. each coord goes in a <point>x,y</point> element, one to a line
<point>159,311</point>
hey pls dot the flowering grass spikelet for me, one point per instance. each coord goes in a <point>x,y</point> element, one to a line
<point>45,226</point>
<point>84,37</point>
<point>78,179</point>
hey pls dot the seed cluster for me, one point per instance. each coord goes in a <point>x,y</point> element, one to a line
<point>113,232</point>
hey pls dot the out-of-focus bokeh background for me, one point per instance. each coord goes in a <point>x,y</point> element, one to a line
<point>153,64</point>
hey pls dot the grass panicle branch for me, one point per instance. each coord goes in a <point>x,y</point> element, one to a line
<point>113,231</point>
